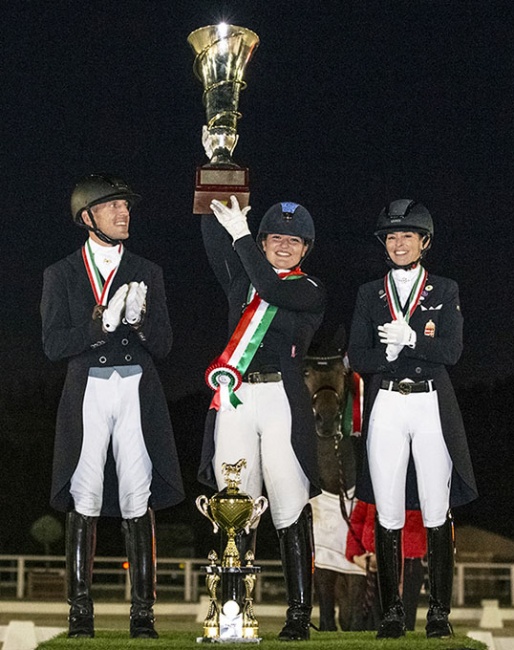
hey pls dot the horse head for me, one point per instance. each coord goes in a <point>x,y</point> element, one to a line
<point>329,381</point>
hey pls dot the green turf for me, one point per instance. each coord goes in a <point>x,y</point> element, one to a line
<point>113,640</point>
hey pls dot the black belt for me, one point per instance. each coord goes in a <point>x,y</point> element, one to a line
<point>407,387</point>
<point>262,377</point>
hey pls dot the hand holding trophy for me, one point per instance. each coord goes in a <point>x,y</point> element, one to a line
<point>222,54</point>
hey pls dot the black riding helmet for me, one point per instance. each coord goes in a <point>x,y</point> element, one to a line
<point>94,189</point>
<point>408,216</point>
<point>288,218</point>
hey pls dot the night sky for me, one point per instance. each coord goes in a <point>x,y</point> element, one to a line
<point>349,105</point>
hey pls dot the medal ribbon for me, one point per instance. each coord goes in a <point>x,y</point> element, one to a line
<point>225,374</point>
<point>100,289</point>
<point>393,299</point>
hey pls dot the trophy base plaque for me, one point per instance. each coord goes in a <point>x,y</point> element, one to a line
<point>235,621</point>
<point>220,182</point>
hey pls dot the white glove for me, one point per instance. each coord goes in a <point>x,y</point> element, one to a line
<point>393,351</point>
<point>135,303</point>
<point>398,332</point>
<point>232,218</point>
<point>111,316</point>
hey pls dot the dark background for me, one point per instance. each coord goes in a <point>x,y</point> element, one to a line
<point>349,105</point>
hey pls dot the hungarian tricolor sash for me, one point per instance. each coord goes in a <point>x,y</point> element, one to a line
<point>225,374</point>
<point>99,287</point>
<point>397,311</point>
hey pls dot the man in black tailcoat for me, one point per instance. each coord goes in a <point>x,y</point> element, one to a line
<point>104,311</point>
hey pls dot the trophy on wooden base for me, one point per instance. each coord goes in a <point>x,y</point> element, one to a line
<point>234,512</point>
<point>222,53</point>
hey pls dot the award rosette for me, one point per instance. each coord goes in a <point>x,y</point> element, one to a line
<point>232,511</point>
<point>224,380</point>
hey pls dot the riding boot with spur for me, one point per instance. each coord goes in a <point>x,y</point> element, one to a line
<point>80,553</point>
<point>388,549</point>
<point>296,551</point>
<point>140,543</point>
<point>440,578</point>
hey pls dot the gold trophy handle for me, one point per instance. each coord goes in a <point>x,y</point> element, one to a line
<point>259,506</point>
<point>202,503</point>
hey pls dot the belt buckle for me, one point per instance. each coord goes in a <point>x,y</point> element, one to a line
<point>404,387</point>
<point>253,377</point>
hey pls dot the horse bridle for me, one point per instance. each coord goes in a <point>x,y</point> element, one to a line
<point>340,404</point>
<point>338,435</point>
<point>340,398</point>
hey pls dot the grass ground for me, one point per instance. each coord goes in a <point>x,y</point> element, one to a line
<point>180,633</point>
<point>113,640</point>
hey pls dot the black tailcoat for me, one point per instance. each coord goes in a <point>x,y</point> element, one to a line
<point>69,332</point>
<point>428,360</point>
<point>300,311</point>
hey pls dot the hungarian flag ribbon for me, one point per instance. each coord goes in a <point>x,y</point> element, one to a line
<point>393,300</point>
<point>99,287</point>
<point>225,374</point>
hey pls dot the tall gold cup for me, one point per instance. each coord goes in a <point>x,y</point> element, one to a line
<point>222,53</point>
<point>232,511</point>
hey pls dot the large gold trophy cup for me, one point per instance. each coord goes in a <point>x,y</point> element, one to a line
<point>233,512</point>
<point>222,53</point>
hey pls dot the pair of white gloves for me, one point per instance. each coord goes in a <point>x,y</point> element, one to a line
<point>396,335</point>
<point>128,303</point>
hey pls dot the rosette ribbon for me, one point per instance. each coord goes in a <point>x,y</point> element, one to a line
<point>225,380</point>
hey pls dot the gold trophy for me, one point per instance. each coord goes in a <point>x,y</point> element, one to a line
<point>222,53</point>
<point>232,511</point>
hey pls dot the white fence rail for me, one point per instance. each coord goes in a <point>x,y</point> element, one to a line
<point>43,577</point>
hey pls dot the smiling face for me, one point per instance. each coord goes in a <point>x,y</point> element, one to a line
<point>404,248</point>
<point>284,251</point>
<point>112,218</point>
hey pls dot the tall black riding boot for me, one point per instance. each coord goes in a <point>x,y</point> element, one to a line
<point>140,542</point>
<point>440,578</point>
<point>388,549</point>
<point>296,550</point>
<point>80,553</point>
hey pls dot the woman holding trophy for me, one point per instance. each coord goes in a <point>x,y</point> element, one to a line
<point>261,408</point>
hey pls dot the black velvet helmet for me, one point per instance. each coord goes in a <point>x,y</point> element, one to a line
<point>288,218</point>
<point>99,188</point>
<point>408,216</point>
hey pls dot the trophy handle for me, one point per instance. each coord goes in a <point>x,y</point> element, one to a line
<point>202,503</point>
<point>259,506</point>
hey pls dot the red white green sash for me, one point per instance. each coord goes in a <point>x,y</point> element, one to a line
<point>225,374</point>
<point>99,287</point>
<point>393,300</point>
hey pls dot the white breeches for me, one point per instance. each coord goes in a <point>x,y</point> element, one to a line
<point>111,410</point>
<point>259,430</point>
<point>398,424</point>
